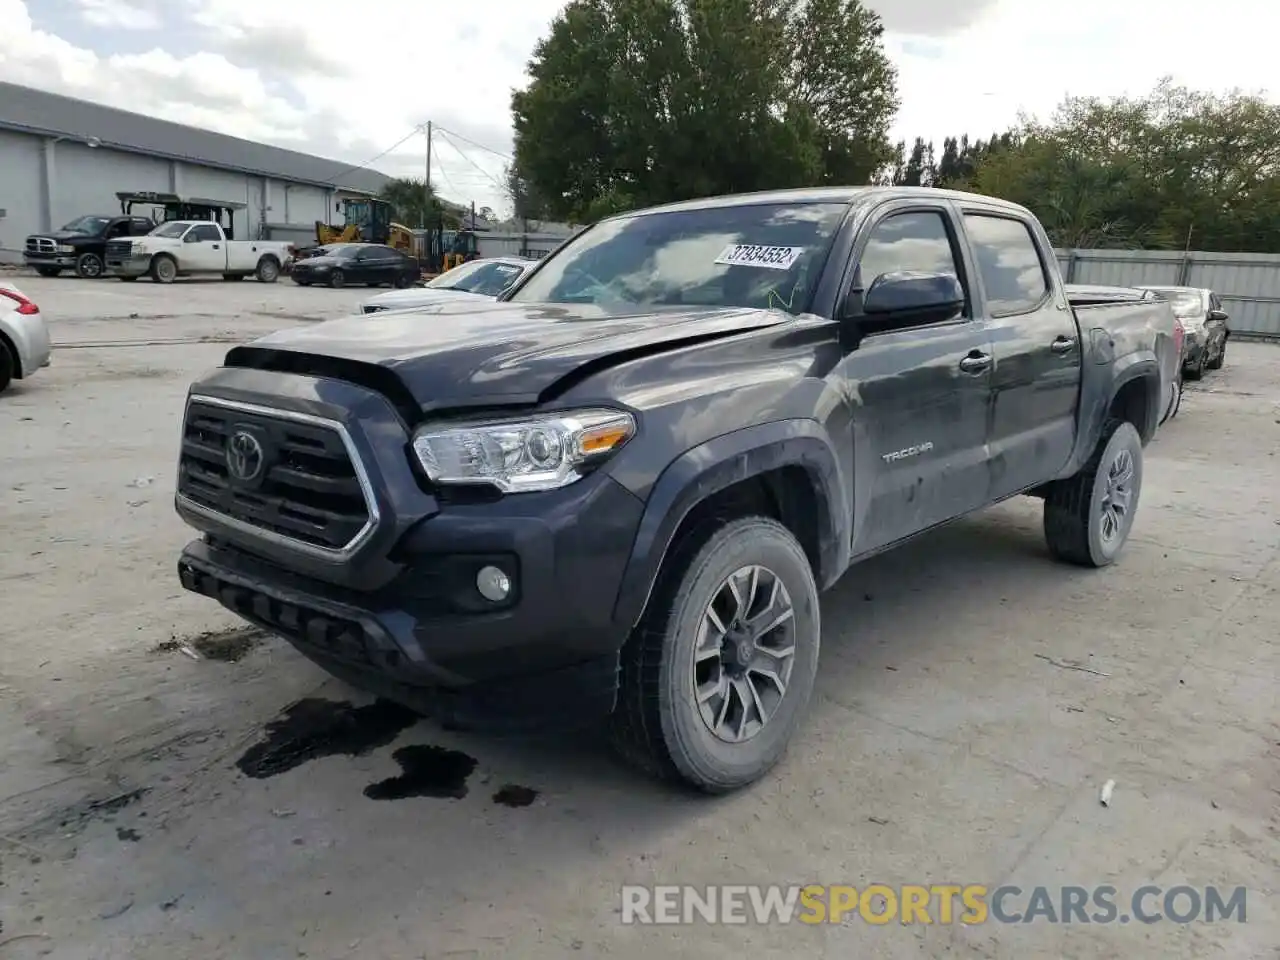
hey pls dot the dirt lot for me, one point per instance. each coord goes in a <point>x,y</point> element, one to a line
<point>157,805</point>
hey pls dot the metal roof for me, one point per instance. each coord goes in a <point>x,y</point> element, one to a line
<point>28,110</point>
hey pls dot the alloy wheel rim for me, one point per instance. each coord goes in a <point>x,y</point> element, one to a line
<point>744,653</point>
<point>1117,496</point>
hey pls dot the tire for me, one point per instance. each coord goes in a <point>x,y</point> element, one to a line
<point>164,269</point>
<point>1219,358</point>
<point>1196,370</point>
<point>658,724</point>
<point>8,364</point>
<point>403,282</point>
<point>337,279</point>
<point>89,266</point>
<point>1177,397</point>
<point>268,270</point>
<point>1075,509</point>
<point>48,271</point>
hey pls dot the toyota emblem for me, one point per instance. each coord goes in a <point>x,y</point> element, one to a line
<point>244,456</point>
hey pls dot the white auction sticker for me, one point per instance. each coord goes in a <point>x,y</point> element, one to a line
<point>752,255</point>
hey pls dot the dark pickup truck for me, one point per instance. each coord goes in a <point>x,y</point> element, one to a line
<point>81,244</point>
<point>618,491</point>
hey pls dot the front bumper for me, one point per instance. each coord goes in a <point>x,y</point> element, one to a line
<point>128,266</point>
<point>62,260</point>
<point>547,658</point>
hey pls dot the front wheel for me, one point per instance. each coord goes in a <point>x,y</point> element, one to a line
<point>717,676</point>
<point>1196,370</point>
<point>1219,358</point>
<point>164,269</point>
<point>1087,518</point>
<point>89,266</point>
<point>337,279</point>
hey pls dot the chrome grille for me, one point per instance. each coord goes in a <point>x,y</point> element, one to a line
<point>41,245</point>
<point>119,249</point>
<point>309,491</point>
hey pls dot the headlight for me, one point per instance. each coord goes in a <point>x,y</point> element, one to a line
<point>138,249</point>
<point>526,454</point>
<point>66,248</point>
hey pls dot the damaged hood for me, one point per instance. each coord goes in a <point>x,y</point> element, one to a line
<point>499,352</point>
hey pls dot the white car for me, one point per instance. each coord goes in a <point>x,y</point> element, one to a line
<point>193,247</point>
<point>24,338</point>
<point>480,279</point>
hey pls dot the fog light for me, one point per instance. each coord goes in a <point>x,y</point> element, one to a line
<point>493,584</point>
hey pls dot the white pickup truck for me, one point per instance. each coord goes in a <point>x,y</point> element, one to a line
<point>183,248</point>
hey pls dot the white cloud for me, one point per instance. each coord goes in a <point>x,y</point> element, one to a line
<point>343,81</point>
<point>120,14</point>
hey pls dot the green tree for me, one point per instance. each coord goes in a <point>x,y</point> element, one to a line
<point>635,102</point>
<point>415,204</point>
<point>1173,167</point>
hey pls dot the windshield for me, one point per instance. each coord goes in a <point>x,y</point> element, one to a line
<point>86,225</point>
<point>757,255</point>
<point>1185,303</point>
<point>173,229</point>
<point>487,279</point>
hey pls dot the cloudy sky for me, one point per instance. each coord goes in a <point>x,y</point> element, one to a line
<point>349,80</point>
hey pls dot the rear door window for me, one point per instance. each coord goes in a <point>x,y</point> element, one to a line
<point>1009,263</point>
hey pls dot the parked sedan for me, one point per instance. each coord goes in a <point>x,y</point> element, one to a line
<point>24,338</point>
<point>484,278</point>
<point>370,263</point>
<point>1205,322</point>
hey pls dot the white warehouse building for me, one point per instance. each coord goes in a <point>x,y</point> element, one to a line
<point>61,158</point>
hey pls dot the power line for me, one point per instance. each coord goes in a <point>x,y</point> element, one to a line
<point>360,166</point>
<point>478,146</point>
<point>492,179</point>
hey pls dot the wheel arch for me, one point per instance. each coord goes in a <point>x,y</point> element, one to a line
<point>785,469</point>
<point>1127,387</point>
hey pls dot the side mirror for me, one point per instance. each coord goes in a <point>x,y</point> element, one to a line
<point>909,298</point>
<point>191,238</point>
<point>1218,316</point>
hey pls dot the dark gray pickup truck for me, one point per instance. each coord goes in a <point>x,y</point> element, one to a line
<point>618,491</point>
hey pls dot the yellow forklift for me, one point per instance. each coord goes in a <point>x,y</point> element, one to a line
<point>366,220</point>
<point>445,249</point>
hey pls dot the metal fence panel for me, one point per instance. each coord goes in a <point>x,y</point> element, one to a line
<point>1249,283</point>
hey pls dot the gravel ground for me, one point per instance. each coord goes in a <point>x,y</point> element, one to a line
<point>157,805</point>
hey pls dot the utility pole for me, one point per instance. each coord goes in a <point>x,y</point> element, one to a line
<point>426,200</point>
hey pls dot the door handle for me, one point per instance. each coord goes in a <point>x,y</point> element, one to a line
<point>216,247</point>
<point>1062,344</point>
<point>975,362</point>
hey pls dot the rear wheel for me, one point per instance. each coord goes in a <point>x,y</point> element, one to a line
<point>89,266</point>
<point>1087,518</point>
<point>268,270</point>
<point>48,271</point>
<point>337,279</point>
<point>8,364</point>
<point>718,674</point>
<point>403,281</point>
<point>164,269</point>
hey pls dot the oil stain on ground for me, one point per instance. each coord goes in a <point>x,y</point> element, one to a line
<point>315,728</point>
<point>426,771</point>
<point>514,795</point>
<point>227,646</point>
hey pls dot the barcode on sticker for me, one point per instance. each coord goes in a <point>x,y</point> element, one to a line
<point>753,255</point>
